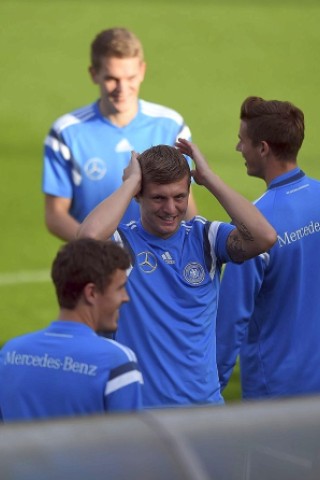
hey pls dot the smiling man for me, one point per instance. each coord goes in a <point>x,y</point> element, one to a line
<point>272,321</point>
<point>173,282</point>
<point>86,150</point>
<point>67,369</point>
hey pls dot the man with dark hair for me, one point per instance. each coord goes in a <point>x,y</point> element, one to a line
<point>174,277</point>
<point>86,150</point>
<point>269,307</point>
<point>67,369</point>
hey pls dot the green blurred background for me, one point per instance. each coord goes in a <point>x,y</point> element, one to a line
<point>203,59</point>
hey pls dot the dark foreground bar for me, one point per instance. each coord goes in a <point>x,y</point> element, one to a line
<point>255,441</point>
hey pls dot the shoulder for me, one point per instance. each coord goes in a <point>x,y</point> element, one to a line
<point>201,229</point>
<point>126,229</point>
<point>312,181</point>
<point>194,225</point>
<point>268,203</point>
<point>22,340</point>
<point>266,199</point>
<point>121,353</point>
<point>76,117</point>
<point>160,111</point>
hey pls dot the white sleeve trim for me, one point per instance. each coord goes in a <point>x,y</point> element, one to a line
<point>123,380</point>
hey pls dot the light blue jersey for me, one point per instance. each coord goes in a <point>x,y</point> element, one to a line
<point>85,154</point>
<point>66,370</point>
<point>269,307</point>
<point>170,320</point>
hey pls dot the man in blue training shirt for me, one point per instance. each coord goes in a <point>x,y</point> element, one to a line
<point>269,307</point>
<point>67,369</point>
<point>174,278</point>
<point>87,150</point>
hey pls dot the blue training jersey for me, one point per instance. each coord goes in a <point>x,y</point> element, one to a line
<point>269,306</point>
<point>85,154</point>
<point>170,320</point>
<point>66,370</point>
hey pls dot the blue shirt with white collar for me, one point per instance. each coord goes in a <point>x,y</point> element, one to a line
<point>169,322</point>
<point>66,370</point>
<point>269,306</point>
<point>85,154</point>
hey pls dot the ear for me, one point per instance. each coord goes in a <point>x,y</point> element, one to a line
<point>89,293</point>
<point>137,197</point>
<point>93,73</point>
<point>264,148</point>
<point>143,70</point>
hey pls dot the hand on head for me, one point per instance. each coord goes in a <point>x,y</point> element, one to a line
<point>202,168</point>
<point>133,171</point>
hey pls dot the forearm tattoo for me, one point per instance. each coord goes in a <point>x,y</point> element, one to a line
<point>245,233</point>
<point>236,243</point>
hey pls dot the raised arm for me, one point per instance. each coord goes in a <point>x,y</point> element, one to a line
<point>192,210</point>
<point>102,222</point>
<point>253,233</point>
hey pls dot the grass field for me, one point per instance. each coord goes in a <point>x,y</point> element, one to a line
<point>203,59</point>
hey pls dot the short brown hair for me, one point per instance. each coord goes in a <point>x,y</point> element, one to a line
<point>163,164</point>
<point>84,261</point>
<point>280,124</point>
<point>115,42</point>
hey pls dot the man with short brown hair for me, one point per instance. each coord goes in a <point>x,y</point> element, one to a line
<point>87,150</point>
<point>67,369</point>
<point>175,269</point>
<point>269,307</point>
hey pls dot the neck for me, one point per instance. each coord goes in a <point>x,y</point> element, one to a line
<point>77,315</point>
<point>279,167</point>
<point>120,119</point>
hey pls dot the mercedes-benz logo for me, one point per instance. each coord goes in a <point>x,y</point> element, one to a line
<point>147,262</point>
<point>95,168</point>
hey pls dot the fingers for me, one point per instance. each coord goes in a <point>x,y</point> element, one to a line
<point>184,146</point>
<point>134,154</point>
<point>182,142</point>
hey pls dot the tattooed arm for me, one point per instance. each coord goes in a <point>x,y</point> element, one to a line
<point>235,245</point>
<point>253,233</point>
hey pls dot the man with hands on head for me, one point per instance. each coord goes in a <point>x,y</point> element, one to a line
<point>175,270</point>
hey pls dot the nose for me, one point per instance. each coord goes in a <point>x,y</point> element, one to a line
<point>126,297</point>
<point>170,206</point>
<point>238,147</point>
<point>121,86</point>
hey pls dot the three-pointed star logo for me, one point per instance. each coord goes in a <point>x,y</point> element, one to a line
<point>95,168</point>
<point>147,262</point>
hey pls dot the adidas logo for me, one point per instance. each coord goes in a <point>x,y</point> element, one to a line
<point>124,146</point>
<point>167,258</point>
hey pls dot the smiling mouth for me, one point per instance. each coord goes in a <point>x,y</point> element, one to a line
<point>119,99</point>
<point>168,219</point>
